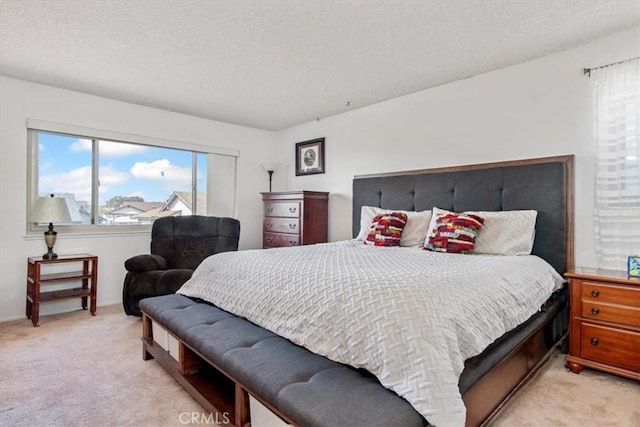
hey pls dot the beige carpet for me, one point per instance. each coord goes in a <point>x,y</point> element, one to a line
<point>78,370</point>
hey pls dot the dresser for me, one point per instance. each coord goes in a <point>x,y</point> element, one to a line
<point>604,324</point>
<point>294,218</point>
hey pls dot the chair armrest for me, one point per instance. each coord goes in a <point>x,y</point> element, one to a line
<point>147,262</point>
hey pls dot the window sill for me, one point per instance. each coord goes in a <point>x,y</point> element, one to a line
<point>64,235</point>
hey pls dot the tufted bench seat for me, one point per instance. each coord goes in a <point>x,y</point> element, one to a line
<point>302,387</point>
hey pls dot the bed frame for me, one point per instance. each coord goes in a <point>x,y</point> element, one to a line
<point>544,184</point>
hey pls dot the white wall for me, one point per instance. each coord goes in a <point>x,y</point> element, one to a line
<point>539,108</point>
<point>20,100</point>
<point>535,109</point>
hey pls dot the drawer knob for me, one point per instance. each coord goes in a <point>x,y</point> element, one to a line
<point>293,242</point>
<point>292,226</point>
<point>269,224</point>
<point>595,293</point>
<point>594,341</point>
<point>595,311</point>
<point>293,210</point>
<point>269,210</point>
<point>269,239</point>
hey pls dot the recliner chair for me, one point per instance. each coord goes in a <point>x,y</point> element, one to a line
<point>178,245</point>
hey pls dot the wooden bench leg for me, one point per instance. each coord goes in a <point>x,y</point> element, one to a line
<point>147,333</point>
<point>242,407</point>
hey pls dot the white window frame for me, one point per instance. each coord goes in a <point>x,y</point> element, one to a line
<point>35,126</point>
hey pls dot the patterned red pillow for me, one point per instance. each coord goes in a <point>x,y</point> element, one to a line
<point>386,229</point>
<point>454,233</point>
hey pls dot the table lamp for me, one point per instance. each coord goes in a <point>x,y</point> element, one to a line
<point>50,209</point>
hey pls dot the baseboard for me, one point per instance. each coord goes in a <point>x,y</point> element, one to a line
<point>65,310</point>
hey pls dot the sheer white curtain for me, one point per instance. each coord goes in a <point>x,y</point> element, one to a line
<point>616,95</point>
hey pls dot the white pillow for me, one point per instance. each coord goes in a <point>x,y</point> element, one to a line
<point>503,232</point>
<point>414,231</point>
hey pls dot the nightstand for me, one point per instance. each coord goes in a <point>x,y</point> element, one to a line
<point>604,324</point>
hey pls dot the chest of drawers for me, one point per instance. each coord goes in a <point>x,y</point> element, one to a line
<point>604,324</point>
<point>294,218</point>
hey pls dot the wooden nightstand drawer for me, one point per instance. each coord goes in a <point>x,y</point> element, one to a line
<point>277,240</point>
<point>282,225</point>
<point>617,313</point>
<point>611,346</point>
<point>284,209</point>
<point>611,293</point>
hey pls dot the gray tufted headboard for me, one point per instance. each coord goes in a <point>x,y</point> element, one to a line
<point>543,184</point>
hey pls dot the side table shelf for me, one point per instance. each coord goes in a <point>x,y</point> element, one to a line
<point>87,278</point>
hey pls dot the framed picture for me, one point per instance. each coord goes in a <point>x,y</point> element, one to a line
<point>633,268</point>
<point>310,157</point>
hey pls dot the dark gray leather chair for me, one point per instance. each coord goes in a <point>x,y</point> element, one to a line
<point>178,245</point>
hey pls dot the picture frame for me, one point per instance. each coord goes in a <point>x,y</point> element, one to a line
<point>310,157</point>
<point>633,266</point>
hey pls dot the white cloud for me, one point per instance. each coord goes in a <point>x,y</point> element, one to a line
<point>78,181</point>
<point>81,145</point>
<point>162,171</point>
<point>118,149</point>
<point>110,176</point>
<point>109,148</point>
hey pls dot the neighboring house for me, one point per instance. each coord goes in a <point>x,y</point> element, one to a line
<point>78,210</point>
<point>183,201</point>
<point>179,203</point>
<point>149,216</point>
<point>125,214</point>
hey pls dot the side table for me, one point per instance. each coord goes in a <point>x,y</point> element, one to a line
<point>604,325</point>
<point>87,277</point>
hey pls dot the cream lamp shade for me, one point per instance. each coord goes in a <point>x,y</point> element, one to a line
<point>50,209</point>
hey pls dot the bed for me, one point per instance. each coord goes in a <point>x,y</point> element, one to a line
<point>304,305</point>
<point>543,184</point>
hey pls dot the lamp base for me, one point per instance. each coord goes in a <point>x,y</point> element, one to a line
<point>50,240</point>
<point>50,254</point>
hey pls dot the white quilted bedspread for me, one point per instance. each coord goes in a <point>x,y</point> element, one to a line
<point>409,316</point>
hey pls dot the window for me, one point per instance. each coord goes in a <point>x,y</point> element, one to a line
<point>115,182</point>
<point>616,94</point>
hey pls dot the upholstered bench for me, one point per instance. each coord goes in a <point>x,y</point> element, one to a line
<point>222,359</point>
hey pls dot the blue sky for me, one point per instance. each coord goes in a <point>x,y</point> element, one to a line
<point>125,169</point>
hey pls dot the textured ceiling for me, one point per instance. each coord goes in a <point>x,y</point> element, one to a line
<point>272,65</point>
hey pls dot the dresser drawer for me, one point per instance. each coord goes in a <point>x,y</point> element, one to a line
<point>611,293</point>
<point>618,313</point>
<point>274,240</point>
<point>611,346</point>
<point>282,225</point>
<point>284,209</point>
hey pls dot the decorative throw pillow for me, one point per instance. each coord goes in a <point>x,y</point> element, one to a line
<point>454,233</point>
<point>503,232</point>
<point>386,229</point>
<point>414,231</point>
